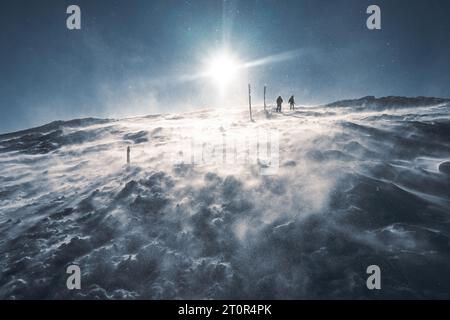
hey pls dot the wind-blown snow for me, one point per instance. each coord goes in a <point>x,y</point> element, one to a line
<point>357,185</point>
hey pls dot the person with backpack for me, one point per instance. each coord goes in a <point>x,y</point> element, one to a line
<point>291,103</point>
<point>279,103</point>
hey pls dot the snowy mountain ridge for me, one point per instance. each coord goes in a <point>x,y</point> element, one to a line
<point>389,102</point>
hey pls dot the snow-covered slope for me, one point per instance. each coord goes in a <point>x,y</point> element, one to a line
<point>356,186</point>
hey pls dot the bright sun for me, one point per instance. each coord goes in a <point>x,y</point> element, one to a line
<point>222,68</point>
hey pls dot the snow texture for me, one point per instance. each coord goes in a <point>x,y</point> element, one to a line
<point>360,182</point>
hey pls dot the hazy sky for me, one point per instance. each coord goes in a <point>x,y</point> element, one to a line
<point>133,57</point>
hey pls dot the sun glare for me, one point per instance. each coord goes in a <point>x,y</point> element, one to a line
<point>222,69</point>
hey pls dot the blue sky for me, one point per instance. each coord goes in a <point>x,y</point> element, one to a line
<point>129,56</point>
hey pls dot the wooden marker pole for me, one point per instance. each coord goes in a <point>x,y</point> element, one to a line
<point>250,101</point>
<point>265,89</point>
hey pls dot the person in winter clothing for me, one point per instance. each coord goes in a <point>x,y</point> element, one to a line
<point>279,103</point>
<point>291,103</point>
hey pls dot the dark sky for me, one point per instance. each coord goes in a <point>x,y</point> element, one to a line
<point>130,55</point>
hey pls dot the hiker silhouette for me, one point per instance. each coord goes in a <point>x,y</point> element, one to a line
<point>279,103</point>
<point>292,103</point>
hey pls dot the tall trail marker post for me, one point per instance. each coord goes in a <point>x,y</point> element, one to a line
<point>265,89</point>
<point>250,101</point>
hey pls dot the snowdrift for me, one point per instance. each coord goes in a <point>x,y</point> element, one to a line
<point>359,182</point>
